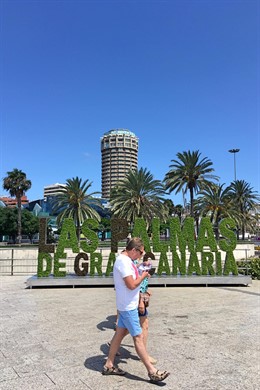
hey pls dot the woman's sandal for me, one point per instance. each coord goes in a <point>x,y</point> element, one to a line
<point>158,376</point>
<point>112,371</point>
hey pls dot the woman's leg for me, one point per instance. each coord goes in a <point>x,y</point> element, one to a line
<point>144,326</point>
<point>144,322</point>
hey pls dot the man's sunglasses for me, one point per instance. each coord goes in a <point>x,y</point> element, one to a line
<point>139,250</point>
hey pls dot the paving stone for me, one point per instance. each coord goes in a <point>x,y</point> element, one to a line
<point>39,382</point>
<point>7,373</point>
<point>207,337</point>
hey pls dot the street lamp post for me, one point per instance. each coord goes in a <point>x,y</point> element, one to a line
<point>234,151</point>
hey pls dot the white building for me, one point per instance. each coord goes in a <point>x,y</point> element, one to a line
<point>53,189</point>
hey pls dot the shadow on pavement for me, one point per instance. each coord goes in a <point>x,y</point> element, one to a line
<point>124,353</point>
<point>238,290</point>
<point>109,323</point>
<point>96,363</point>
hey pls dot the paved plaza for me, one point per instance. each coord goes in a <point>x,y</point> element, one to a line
<point>56,338</point>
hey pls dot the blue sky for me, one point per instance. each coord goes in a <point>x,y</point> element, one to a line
<point>182,75</point>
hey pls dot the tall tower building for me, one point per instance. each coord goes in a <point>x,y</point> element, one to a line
<point>119,149</point>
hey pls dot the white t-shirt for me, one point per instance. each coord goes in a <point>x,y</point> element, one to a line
<point>126,299</point>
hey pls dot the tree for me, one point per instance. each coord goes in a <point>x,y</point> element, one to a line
<point>30,223</point>
<point>189,173</point>
<point>8,222</point>
<point>138,195</point>
<point>74,202</point>
<point>215,202</point>
<point>17,184</point>
<point>168,203</point>
<point>179,212</point>
<point>172,211</point>
<point>104,227</point>
<point>245,199</point>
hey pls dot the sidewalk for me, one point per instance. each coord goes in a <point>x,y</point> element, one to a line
<point>56,338</point>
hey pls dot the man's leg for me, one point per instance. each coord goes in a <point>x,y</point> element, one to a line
<point>114,345</point>
<point>142,353</point>
<point>154,374</point>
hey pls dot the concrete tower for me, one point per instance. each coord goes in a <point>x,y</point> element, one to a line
<point>119,149</point>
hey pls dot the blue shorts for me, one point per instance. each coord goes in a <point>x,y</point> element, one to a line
<point>130,321</point>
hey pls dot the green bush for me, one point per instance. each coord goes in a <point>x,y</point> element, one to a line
<point>249,267</point>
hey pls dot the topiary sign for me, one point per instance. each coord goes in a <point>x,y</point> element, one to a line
<point>183,246</point>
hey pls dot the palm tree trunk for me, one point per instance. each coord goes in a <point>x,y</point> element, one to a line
<point>216,225</point>
<point>78,229</point>
<point>19,220</point>
<point>191,202</point>
<point>243,231</point>
<point>197,226</point>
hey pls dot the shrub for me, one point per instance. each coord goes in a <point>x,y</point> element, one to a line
<point>249,267</point>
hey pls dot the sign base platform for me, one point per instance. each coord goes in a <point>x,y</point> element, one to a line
<point>73,281</point>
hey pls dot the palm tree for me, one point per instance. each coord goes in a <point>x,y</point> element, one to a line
<point>189,173</point>
<point>215,203</point>
<point>74,202</point>
<point>251,222</point>
<point>138,195</point>
<point>245,199</point>
<point>17,184</point>
<point>179,212</point>
<point>168,203</point>
<point>104,226</point>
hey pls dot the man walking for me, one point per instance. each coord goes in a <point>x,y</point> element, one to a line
<point>127,282</point>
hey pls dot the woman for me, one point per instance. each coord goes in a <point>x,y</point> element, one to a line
<point>146,265</point>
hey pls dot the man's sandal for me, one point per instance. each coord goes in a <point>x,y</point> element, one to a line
<point>158,376</point>
<point>112,371</point>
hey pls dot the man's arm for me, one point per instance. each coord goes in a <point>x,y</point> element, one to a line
<point>132,283</point>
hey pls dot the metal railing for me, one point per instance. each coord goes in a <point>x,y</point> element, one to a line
<point>13,263</point>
